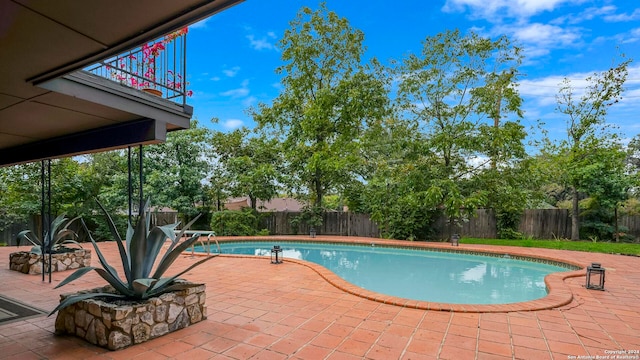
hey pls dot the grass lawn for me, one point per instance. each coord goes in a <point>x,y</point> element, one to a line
<point>589,246</point>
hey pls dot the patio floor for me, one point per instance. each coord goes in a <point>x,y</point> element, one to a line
<point>296,311</point>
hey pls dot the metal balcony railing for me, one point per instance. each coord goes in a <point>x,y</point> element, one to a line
<point>158,67</point>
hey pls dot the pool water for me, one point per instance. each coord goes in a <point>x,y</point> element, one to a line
<point>417,274</point>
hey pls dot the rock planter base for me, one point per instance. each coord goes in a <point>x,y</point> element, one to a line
<point>29,263</point>
<point>115,326</point>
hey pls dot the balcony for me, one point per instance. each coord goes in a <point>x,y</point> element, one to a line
<point>158,67</point>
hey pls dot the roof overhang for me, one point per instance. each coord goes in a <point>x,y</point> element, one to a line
<point>47,102</point>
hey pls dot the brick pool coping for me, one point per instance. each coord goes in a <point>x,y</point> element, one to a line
<point>558,292</point>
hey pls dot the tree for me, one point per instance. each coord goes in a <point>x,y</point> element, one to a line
<point>458,90</point>
<point>175,171</point>
<point>329,97</point>
<point>587,130</point>
<point>251,164</point>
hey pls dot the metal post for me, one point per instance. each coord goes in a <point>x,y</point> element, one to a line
<point>184,70</point>
<point>141,181</point>
<point>42,206</point>
<point>50,236</point>
<point>130,184</point>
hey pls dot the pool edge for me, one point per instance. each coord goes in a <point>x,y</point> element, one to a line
<point>559,294</point>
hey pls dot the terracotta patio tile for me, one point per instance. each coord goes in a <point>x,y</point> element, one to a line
<point>374,325</point>
<point>494,336</point>
<point>338,330</point>
<point>219,344</point>
<point>151,355</point>
<point>400,330</point>
<point>315,325</point>
<point>455,353</point>
<point>339,355</point>
<point>408,355</point>
<point>467,331</point>
<point>561,336</point>
<point>195,354</point>
<point>423,346</point>
<point>327,341</point>
<point>353,347</point>
<point>278,330</point>
<point>565,348</point>
<point>460,342</point>
<point>392,341</point>
<point>364,335</point>
<point>267,354</point>
<point>262,340</point>
<point>174,348</point>
<point>313,352</point>
<point>242,351</point>
<point>486,356</point>
<point>525,353</point>
<point>489,347</point>
<point>287,345</point>
<point>379,352</point>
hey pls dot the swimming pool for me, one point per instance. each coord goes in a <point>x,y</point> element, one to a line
<point>418,274</point>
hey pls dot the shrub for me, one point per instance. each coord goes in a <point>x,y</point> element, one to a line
<point>235,222</point>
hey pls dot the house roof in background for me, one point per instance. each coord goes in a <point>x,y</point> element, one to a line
<point>276,204</point>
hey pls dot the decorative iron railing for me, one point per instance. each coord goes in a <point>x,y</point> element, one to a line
<point>158,67</point>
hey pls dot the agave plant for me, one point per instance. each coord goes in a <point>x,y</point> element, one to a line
<point>58,239</point>
<point>138,254</point>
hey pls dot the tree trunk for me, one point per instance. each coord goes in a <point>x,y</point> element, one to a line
<point>575,213</point>
<point>617,230</point>
<point>253,201</point>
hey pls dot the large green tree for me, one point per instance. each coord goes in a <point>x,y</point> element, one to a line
<point>328,98</point>
<point>461,93</point>
<point>587,133</point>
<point>250,165</point>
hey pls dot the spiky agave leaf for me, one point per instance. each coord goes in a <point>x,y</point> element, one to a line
<point>185,228</point>
<point>138,247</point>
<point>25,235</point>
<point>156,238</point>
<point>112,276</point>
<point>172,255</point>
<point>164,284</point>
<point>124,256</point>
<point>142,286</point>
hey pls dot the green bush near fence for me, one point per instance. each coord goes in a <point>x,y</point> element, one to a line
<point>236,223</point>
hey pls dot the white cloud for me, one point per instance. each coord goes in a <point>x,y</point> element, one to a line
<point>239,92</point>
<point>231,72</point>
<point>200,24</point>
<point>249,101</point>
<point>538,33</point>
<point>586,15</point>
<point>215,78</point>
<point>635,15</point>
<point>232,124</point>
<point>261,44</point>
<point>491,10</point>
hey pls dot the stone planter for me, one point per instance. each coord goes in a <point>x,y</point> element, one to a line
<point>119,323</point>
<point>30,263</point>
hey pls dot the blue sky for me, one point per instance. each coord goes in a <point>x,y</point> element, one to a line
<point>232,56</point>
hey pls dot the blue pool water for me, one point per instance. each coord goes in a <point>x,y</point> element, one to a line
<point>446,277</point>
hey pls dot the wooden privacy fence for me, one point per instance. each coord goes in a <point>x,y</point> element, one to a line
<point>333,223</point>
<point>537,223</point>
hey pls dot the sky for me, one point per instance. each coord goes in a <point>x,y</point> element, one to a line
<point>232,56</point>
